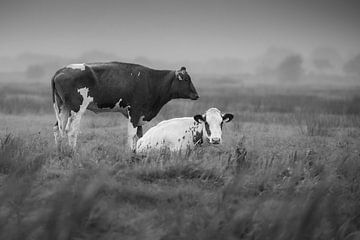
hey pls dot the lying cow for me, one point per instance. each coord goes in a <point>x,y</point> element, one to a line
<point>179,134</point>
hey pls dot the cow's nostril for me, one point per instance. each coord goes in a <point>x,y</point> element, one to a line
<point>195,97</point>
<point>215,140</point>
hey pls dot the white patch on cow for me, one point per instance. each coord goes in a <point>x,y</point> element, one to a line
<point>117,105</point>
<point>73,124</point>
<point>80,66</point>
<point>123,110</point>
<point>178,75</point>
<point>138,74</point>
<point>117,108</point>
<point>213,118</point>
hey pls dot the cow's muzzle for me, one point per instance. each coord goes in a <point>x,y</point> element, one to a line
<point>215,140</point>
<point>194,96</point>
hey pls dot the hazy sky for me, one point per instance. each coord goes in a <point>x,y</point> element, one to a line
<point>177,30</point>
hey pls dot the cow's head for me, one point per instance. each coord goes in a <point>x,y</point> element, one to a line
<point>212,121</point>
<point>182,86</point>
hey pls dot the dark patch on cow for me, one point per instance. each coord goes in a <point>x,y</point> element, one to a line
<point>207,128</point>
<point>143,89</point>
<point>197,137</point>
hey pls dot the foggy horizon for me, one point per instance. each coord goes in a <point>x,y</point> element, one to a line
<point>174,31</point>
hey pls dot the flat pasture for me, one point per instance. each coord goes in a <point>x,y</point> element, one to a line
<point>289,168</point>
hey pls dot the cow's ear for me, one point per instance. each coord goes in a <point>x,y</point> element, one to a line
<point>199,118</point>
<point>227,117</point>
<point>178,75</point>
<point>183,70</point>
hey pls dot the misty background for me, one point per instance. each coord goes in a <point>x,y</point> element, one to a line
<point>260,41</point>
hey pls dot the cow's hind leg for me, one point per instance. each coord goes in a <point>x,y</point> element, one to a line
<point>62,115</point>
<point>56,128</point>
<point>73,128</point>
<point>57,135</point>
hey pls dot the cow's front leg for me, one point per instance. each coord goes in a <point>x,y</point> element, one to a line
<point>134,133</point>
<point>139,132</point>
<point>132,136</point>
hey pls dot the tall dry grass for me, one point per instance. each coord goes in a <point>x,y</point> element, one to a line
<point>203,196</point>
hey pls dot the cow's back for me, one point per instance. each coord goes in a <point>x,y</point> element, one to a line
<point>175,134</point>
<point>107,83</point>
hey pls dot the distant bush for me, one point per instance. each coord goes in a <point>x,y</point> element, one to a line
<point>290,69</point>
<point>353,66</point>
<point>35,72</point>
<point>322,64</point>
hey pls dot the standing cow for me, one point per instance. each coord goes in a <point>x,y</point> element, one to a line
<point>136,91</point>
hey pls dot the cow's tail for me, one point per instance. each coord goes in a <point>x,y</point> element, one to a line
<point>56,128</point>
<point>56,98</point>
<point>57,101</point>
<point>53,88</point>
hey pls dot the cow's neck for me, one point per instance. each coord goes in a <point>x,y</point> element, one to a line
<point>162,89</point>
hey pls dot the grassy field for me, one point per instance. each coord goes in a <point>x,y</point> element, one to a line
<point>289,168</point>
